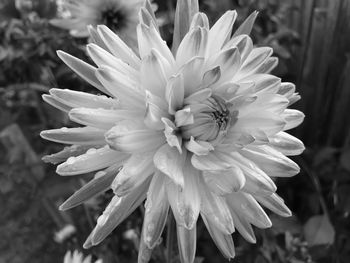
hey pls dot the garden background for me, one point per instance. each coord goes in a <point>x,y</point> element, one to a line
<point>311,38</point>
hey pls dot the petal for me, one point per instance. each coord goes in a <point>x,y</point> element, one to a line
<point>192,74</point>
<point>99,184</point>
<point>128,139</point>
<point>121,87</point>
<point>185,203</point>
<point>286,144</point>
<point>186,240</point>
<point>156,211</point>
<point>118,47</point>
<point>293,118</point>
<point>215,210</point>
<point>267,66</point>
<point>101,118</point>
<point>119,209</point>
<point>194,44</point>
<point>275,204</point>
<point>200,20</point>
<point>84,70</point>
<point>210,162</point>
<point>170,132</point>
<point>244,204</point>
<point>225,181</point>
<point>256,57</point>
<point>134,172</point>
<point>223,241</point>
<point>92,160</point>
<point>271,161</point>
<point>175,92</point>
<point>243,226</point>
<point>221,31</point>
<point>95,38</point>
<point>55,103</point>
<point>59,157</point>
<point>183,117</point>
<point>77,99</point>
<point>198,147</point>
<point>211,77</point>
<point>154,114</point>
<point>243,43</point>
<point>169,161</point>
<point>79,136</point>
<point>246,27</point>
<point>145,253</point>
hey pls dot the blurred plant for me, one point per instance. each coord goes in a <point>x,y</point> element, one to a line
<point>78,257</point>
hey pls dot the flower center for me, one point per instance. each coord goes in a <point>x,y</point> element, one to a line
<point>114,18</point>
<point>211,120</point>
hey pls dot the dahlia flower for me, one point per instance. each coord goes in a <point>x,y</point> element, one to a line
<point>200,129</point>
<point>119,15</point>
<point>77,257</point>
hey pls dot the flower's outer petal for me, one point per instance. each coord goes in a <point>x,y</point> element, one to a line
<point>245,205</point>
<point>242,225</point>
<point>117,47</point>
<point>185,203</point>
<point>185,10</point>
<point>293,118</point>
<point>200,20</point>
<point>92,160</point>
<point>101,57</point>
<point>61,156</point>
<point>223,241</point>
<point>79,136</point>
<point>274,103</point>
<point>149,38</point>
<point>101,118</point>
<point>101,183</point>
<point>156,211</point>
<point>145,253</point>
<point>194,44</point>
<point>175,92</point>
<point>221,31</point>
<point>246,27</point>
<point>95,37</point>
<point>186,240</point>
<point>243,43</point>
<point>121,87</point>
<point>256,57</point>
<point>145,17</point>
<point>267,66</point>
<point>225,181</point>
<point>55,103</point>
<point>275,204</point>
<point>153,74</point>
<point>198,147</point>
<point>286,144</point>
<point>287,89</point>
<point>215,209</point>
<point>229,61</point>
<point>271,161</point>
<point>77,99</point>
<point>169,161</point>
<point>126,138</point>
<point>135,171</point>
<point>83,69</point>
<point>118,209</point>
<point>258,83</point>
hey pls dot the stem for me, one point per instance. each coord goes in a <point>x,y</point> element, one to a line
<point>171,234</point>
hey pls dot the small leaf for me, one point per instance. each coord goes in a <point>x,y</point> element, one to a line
<point>318,230</point>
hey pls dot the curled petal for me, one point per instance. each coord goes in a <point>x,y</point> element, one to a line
<point>286,144</point>
<point>200,20</point>
<point>61,156</point>
<point>198,147</point>
<point>293,118</point>
<point>275,204</point>
<point>175,92</point>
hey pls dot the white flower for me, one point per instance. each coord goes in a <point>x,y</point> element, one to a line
<point>77,257</point>
<point>200,130</point>
<point>119,15</point>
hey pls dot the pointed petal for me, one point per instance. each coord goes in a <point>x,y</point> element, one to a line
<point>134,172</point>
<point>169,161</point>
<point>286,144</point>
<point>243,226</point>
<point>275,204</point>
<point>223,241</point>
<point>119,209</point>
<point>186,240</point>
<point>61,156</point>
<point>246,27</point>
<point>156,211</point>
<point>84,70</point>
<point>243,43</point>
<point>99,184</point>
<point>175,92</point>
<point>79,136</point>
<point>92,160</point>
<point>55,103</point>
<point>200,20</point>
<point>293,118</point>
<point>257,57</point>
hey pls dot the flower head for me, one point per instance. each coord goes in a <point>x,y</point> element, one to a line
<point>200,130</point>
<point>77,257</point>
<point>119,15</point>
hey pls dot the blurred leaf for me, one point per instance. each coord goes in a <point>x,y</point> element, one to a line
<point>345,159</point>
<point>318,230</point>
